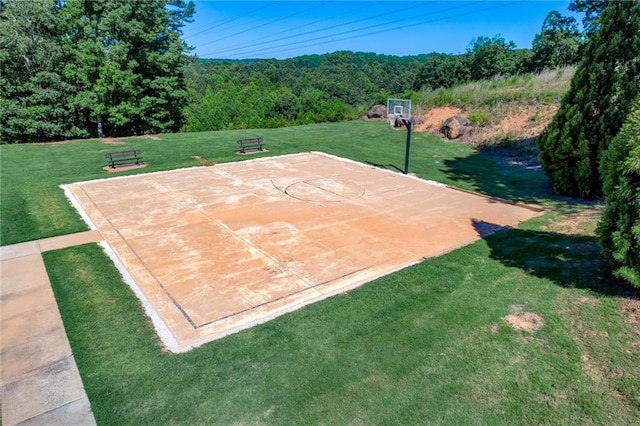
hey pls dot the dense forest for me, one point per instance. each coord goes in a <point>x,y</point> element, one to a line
<point>69,66</point>
<point>343,85</point>
<point>78,69</point>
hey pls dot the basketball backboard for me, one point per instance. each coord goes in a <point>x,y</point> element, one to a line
<point>399,108</point>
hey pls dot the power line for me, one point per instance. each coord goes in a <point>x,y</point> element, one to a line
<point>300,44</point>
<point>323,30</point>
<point>260,26</point>
<point>253,42</point>
<point>232,20</point>
<point>400,27</point>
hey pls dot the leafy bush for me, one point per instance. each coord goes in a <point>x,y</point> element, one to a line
<point>479,118</point>
<point>619,229</point>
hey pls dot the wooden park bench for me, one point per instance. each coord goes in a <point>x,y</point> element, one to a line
<point>123,158</point>
<point>252,144</point>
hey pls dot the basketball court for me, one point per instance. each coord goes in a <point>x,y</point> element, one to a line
<point>214,250</point>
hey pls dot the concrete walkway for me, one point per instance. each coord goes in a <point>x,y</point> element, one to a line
<point>40,382</point>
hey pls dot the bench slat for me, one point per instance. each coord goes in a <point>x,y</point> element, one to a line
<point>250,143</point>
<point>123,157</point>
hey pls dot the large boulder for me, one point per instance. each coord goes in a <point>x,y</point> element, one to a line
<point>377,111</point>
<point>454,127</point>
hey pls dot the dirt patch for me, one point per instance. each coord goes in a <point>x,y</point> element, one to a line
<point>53,143</point>
<point>123,168</point>
<point>251,152</point>
<point>590,369</point>
<point>520,124</point>
<point>523,123</point>
<point>589,301</point>
<point>431,122</point>
<point>582,223</point>
<point>203,161</point>
<point>520,320</point>
<point>120,141</point>
<point>112,141</point>
<point>631,313</point>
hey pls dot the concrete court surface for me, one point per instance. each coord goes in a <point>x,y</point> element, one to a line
<point>214,250</point>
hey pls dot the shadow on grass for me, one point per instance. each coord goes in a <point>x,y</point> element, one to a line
<point>488,175</point>
<point>513,181</point>
<point>572,261</point>
<point>386,166</point>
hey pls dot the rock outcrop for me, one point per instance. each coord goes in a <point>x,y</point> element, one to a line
<point>377,112</point>
<point>455,126</point>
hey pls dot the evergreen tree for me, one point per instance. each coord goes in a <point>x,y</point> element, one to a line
<point>591,10</point>
<point>619,229</point>
<point>139,87</point>
<point>600,97</point>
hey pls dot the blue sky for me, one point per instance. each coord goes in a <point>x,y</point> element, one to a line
<point>283,29</point>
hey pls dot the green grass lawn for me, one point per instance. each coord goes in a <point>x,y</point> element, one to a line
<point>33,205</point>
<point>428,344</point>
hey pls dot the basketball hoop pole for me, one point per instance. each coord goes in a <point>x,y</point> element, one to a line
<point>400,109</point>
<point>406,155</point>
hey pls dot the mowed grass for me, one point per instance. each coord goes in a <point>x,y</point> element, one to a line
<point>34,206</point>
<point>427,345</point>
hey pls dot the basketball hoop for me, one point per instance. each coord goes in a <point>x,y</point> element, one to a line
<point>400,109</point>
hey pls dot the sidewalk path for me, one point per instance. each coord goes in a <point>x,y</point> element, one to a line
<point>39,379</point>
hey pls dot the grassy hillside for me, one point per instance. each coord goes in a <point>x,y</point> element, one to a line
<point>508,114</point>
<point>491,100</point>
<point>523,327</point>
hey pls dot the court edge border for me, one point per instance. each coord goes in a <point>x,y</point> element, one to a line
<point>164,333</point>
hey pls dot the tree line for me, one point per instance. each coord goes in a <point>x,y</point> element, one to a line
<point>77,69</point>
<point>343,85</point>
<point>302,90</point>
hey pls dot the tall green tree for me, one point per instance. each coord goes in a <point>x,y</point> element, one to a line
<point>33,91</point>
<point>65,62</point>
<point>591,10</point>
<point>619,229</point>
<point>489,57</point>
<point>602,91</point>
<point>139,87</point>
<point>558,43</point>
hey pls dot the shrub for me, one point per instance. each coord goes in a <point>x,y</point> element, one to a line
<point>480,118</point>
<point>591,114</point>
<point>619,229</point>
